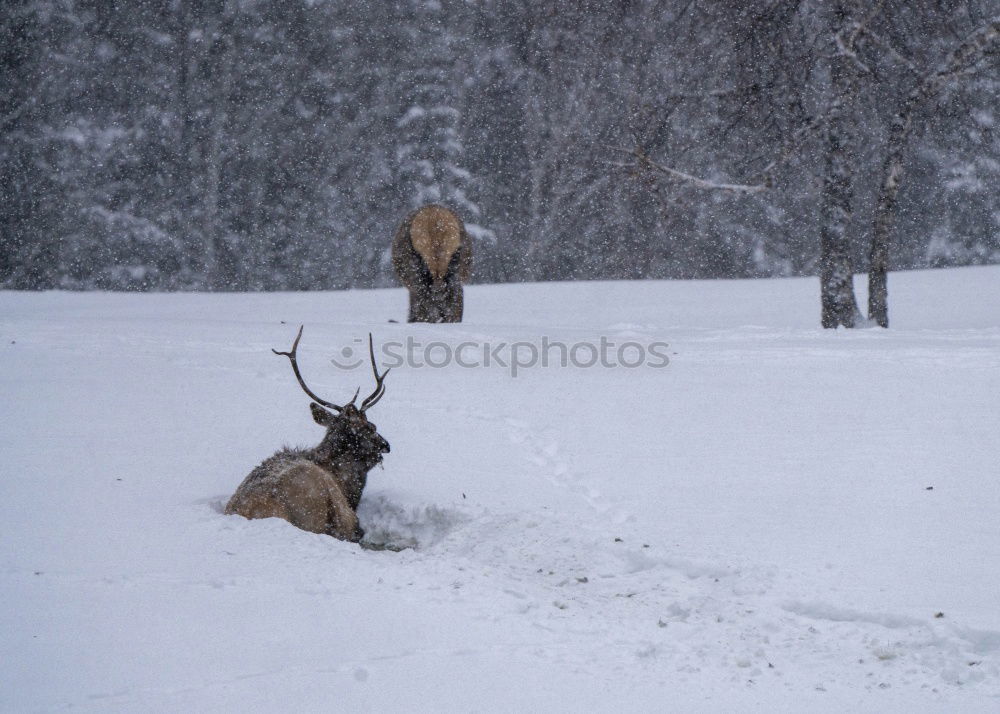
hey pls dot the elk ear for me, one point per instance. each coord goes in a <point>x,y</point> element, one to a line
<point>321,416</point>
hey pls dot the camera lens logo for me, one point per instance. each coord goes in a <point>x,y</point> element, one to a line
<point>348,357</point>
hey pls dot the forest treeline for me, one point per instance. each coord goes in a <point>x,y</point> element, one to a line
<point>276,144</point>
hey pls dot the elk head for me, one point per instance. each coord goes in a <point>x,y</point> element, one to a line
<point>350,436</point>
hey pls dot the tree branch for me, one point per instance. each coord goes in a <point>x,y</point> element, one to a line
<point>965,57</point>
<point>643,161</point>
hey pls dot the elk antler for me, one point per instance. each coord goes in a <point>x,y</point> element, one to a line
<point>372,399</point>
<point>298,375</point>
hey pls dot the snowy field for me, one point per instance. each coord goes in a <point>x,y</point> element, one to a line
<point>782,519</point>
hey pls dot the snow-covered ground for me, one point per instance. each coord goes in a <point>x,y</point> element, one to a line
<point>782,519</point>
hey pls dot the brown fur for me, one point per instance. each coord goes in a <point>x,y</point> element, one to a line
<point>317,489</point>
<point>432,256</point>
<point>436,234</point>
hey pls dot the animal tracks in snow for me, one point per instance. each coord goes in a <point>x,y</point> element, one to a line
<point>541,449</point>
<point>593,588</point>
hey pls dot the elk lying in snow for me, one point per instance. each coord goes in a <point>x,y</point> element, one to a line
<point>319,489</point>
<point>432,255</point>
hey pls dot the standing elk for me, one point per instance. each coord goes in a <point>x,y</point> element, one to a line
<point>319,489</point>
<point>432,255</point>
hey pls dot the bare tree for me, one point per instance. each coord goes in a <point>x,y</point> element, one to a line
<point>838,306</point>
<point>963,60</point>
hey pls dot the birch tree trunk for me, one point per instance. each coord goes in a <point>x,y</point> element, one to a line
<point>958,62</point>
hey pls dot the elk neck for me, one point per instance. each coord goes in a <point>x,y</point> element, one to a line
<point>341,458</point>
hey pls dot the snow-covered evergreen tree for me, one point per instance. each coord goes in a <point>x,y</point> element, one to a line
<point>276,144</point>
<point>430,153</point>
